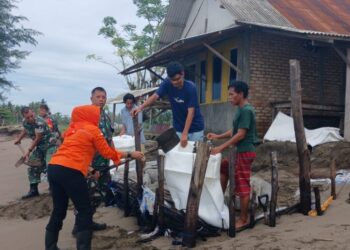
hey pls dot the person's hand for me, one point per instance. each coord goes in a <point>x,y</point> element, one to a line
<point>215,150</point>
<point>212,136</point>
<point>26,156</point>
<point>96,174</point>
<point>17,142</point>
<point>137,155</point>
<point>135,111</point>
<point>183,140</point>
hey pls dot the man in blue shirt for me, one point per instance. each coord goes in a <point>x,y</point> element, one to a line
<point>182,94</point>
<point>127,122</point>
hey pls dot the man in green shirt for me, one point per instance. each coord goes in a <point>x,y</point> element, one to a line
<point>243,136</point>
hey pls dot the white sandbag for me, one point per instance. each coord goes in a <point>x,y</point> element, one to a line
<point>178,171</point>
<point>282,129</point>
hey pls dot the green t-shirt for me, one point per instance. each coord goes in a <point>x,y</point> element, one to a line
<point>245,118</point>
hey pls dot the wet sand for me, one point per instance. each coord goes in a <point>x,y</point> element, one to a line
<point>22,223</point>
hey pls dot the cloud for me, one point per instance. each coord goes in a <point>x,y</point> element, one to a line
<point>57,69</point>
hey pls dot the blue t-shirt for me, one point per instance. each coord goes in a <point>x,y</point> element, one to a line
<point>180,100</point>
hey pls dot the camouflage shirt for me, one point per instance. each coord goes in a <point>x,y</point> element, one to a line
<point>53,126</point>
<point>105,125</point>
<point>40,126</point>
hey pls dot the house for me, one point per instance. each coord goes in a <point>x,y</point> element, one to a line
<point>253,40</point>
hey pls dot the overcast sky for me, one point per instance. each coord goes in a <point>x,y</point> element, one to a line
<point>57,69</point>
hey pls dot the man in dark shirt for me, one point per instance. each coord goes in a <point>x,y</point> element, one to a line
<point>182,94</point>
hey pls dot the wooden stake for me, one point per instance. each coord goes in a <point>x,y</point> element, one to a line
<point>161,191</point>
<point>194,195</point>
<point>274,189</point>
<point>232,196</point>
<point>139,163</point>
<point>303,152</point>
<point>318,201</point>
<point>332,176</point>
<point>126,190</point>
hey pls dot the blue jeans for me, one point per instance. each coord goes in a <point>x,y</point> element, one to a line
<point>195,136</point>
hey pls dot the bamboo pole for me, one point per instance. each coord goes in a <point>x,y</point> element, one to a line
<point>303,152</point>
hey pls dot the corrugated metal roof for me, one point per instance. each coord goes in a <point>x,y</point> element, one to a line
<point>179,49</point>
<point>258,11</point>
<point>330,16</point>
<point>175,21</point>
<point>316,34</point>
<point>137,93</point>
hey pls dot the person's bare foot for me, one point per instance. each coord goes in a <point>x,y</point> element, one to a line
<point>241,223</point>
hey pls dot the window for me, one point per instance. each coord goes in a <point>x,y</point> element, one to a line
<point>203,82</point>
<point>233,59</point>
<point>190,73</point>
<point>217,68</point>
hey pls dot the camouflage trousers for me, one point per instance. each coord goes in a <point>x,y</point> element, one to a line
<point>37,163</point>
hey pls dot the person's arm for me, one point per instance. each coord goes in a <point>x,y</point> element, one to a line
<point>35,142</point>
<point>189,119</point>
<point>20,137</point>
<point>241,133</point>
<point>213,136</point>
<point>147,103</point>
<point>108,152</point>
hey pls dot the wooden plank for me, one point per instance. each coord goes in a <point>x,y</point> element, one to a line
<point>274,189</point>
<point>194,195</point>
<point>232,196</point>
<point>160,160</point>
<point>303,152</point>
<point>224,59</point>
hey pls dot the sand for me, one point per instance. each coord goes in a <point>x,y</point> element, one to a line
<point>22,223</point>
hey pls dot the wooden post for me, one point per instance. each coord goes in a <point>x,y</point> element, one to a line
<point>274,189</point>
<point>194,195</point>
<point>347,101</point>
<point>126,190</point>
<point>303,152</point>
<point>113,115</point>
<point>139,163</point>
<point>318,201</point>
<point>333,173</point>
<point>232,196</point>
<point>161,191</point>
<point>252,209</point>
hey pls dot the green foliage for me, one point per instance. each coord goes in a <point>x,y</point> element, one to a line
<point>132,45</point>
<point>12,35</point>
<point>11,114</point>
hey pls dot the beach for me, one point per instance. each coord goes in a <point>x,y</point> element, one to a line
<point>22,222</point>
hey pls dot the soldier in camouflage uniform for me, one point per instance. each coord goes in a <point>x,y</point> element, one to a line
<point>39,151</point>
<point>44,113</point>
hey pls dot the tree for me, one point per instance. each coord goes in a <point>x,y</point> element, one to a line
<point>131,45</point>
<point>12,35</point>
